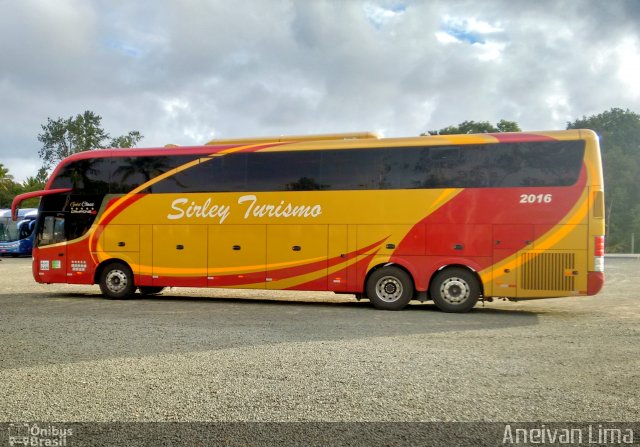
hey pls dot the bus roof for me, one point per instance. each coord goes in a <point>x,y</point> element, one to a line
<point>284,138</point>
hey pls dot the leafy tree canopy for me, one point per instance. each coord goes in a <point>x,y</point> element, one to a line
<point>9,188</point>
<point>477,127</point>
<point>66,136</point>
<point>6,179</point>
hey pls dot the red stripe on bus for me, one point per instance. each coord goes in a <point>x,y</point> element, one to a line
<point>322,283</point>
<point>290,272</point>
<point>520,137</point>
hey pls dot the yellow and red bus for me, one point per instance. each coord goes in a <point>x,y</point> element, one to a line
<point>450,218</point>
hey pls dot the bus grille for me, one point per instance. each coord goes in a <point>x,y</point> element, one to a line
<point>546,271</point>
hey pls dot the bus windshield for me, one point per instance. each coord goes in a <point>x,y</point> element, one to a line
<point>11,231</point>
<point>8,229</point>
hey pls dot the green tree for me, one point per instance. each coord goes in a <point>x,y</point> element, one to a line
<point>32,184</point>
<point>41,176</point>
<point>7,187</point>
<point>6,179</point>
<point>477,127</point>
<point>619,132</point>
<point>128,140</point>
<point>66,136</point>
<point>508,126</point>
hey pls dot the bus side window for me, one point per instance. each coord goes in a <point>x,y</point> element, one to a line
<point>58,229</point>
<point>46,234</point>
<point>52,231</point>
<point>23,229</point>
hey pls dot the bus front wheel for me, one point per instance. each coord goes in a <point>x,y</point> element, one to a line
<point>389,288</point>
<point>116,281</point>
<point>455,290</point>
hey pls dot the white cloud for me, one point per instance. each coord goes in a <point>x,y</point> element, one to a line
<point>381,15</point>
<point>446,38</point>
<point>558,106</point>
<point>174,106</point>
<point>628,72</point>
<point>471,25</point>
<point>490,51</point>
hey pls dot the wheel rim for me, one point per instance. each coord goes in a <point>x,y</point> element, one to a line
<point>389,289</point>
<point>455,290</point>
<point>116,281</point>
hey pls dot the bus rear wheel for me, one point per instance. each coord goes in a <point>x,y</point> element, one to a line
<point>389,288</point>
<point>150,290</point>
<point>455,290</point>
<point>116,281</point>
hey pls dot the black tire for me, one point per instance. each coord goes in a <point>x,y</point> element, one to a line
<point>455,290</point>
<point>390,288</point>
<point>116,281</point>
<point>150,290</point>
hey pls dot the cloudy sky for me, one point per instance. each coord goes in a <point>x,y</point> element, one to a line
<point>186,71</point>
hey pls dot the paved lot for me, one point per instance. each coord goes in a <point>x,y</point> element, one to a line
<point>66,354</point>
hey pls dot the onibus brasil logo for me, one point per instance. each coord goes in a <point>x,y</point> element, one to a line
<point>40,435</point>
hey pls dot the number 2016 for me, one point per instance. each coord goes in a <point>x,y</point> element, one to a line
<point>536,198</point>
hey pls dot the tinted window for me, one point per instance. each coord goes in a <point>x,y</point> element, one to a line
<point>360,169</point>
<point>284,171</point>
<point>56,202</point>
<point>226,173</point>
<point>60,227</point>
<point>77,225</point>
<point>51,230</point>
<point>90,176</point>
<point>471,166</point>
<point>506,165</point>
<point>130,172</point>
<point>555,163</point>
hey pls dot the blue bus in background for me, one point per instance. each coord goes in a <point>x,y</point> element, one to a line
<point>16,238</point>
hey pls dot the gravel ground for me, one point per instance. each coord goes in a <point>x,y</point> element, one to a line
<point>66,354</point>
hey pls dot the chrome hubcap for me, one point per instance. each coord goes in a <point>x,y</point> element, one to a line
<point>389,289</point>
<point>455,290</point>
<point>116,281</point>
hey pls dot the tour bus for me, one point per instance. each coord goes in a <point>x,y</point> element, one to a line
<point>447,218</point>
<point>16,237</point>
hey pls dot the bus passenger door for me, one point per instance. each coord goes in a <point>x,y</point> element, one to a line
<point>297,257</point>
<point>237,256</point>
<point>52,251</point>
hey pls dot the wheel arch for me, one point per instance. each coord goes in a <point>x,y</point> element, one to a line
<point>464,266</point>
<point>388,264</point>
<point>100,268</point>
